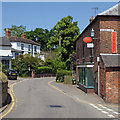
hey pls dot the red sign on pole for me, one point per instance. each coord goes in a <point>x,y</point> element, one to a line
<point>87,39</point>
<point>114,42</point>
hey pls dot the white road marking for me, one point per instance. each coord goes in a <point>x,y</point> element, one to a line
<point>92,104</point>
<point>103,107</point>
<point>100,105</point>
<point>99,109</point>
<point>105,112</point>
<point>109,109</point>
<point>116,113</point>
<point>111,116</point>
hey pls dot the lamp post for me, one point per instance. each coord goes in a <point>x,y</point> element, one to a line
<point>98,60</point>
<point>89,41</point>
<point>92,33</point>
<point>92,36</point>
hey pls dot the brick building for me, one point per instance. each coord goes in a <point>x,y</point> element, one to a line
<point>97,68</point>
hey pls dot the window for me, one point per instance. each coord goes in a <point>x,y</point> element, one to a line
<point>35,49</point>
<point>22,46</point>
<point>22,52</point>
<point>86,77</point>
<point>5,63</point>
<point>28,47</point>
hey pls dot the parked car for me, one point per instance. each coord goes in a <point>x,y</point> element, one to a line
<point>12,74</point>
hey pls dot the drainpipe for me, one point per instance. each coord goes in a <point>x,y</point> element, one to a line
<point>98,60</point>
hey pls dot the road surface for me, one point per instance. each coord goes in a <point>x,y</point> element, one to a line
<point>36,98</point>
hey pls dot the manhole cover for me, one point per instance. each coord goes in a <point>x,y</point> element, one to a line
<point>55,106</point>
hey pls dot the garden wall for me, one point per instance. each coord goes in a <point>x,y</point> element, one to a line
<point>3,93</point>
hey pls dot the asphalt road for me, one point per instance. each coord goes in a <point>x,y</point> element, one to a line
<point>35,98</point>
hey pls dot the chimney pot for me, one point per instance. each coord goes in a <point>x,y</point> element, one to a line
<point>24,36</point>
<point>7,33</point>
<point>91,19</point>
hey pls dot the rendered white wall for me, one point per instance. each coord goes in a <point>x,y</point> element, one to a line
<point>14,45</point>
<point>5,51</point>
<point>17,46</point>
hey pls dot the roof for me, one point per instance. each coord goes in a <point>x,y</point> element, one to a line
<point>24,40</point>
<point>112,11</point>
<point>4,41</point>
<point>14,50</point>
<point>111,60</point>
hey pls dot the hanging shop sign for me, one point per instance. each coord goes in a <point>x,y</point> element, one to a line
<point>87,39</point>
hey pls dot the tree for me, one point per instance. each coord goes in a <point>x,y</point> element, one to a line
<point>39,35</point>
<point>17,30</point>
<point>24,64</point>
<point>63,37</point>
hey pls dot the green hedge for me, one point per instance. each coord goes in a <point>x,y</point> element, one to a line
<point>68,79</point>
<point>61,73</point>
<point>42,70</point>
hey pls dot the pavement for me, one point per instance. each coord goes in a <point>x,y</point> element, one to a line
<point>10,82</point>
<point>44,98</point>
<point>75,92</point>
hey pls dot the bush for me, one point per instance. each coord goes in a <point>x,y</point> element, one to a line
<point>45,69</point>
<point>24,64</point>
<point>68,79</point>
<point>61,73</point>
<point>2,68</point>
<point>3,77</point>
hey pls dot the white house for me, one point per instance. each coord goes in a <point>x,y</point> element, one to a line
<point>5,52</point>
<point>22,45</point>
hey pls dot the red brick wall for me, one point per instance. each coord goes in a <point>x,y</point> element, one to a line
<point>80,43</point>
<point>102,79</point>
<point>103,44</point>
<point>112,89</point>
<point>105,36</point>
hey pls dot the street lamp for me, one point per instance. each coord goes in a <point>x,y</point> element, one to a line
<point>92,36</point>
<point>92,33</point>
<point>98,60</point>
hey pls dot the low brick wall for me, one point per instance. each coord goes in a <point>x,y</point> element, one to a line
<point>44,75</point>
<point>3,93</point>
<point>86,90</point>
<point>112,85</point>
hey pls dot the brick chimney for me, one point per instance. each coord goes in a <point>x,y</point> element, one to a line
<point>91,19</point>
<point>24,36</point>
<point>7,33</point>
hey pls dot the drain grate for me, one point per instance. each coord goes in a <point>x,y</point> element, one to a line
<point>55,106</point>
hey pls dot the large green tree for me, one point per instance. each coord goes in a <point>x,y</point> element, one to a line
<point>63,37</point>
<point>17,30</point>
<point>24,64</point>
<point>39,35</point>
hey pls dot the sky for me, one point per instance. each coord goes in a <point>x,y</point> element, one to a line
<point>46,14</point>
